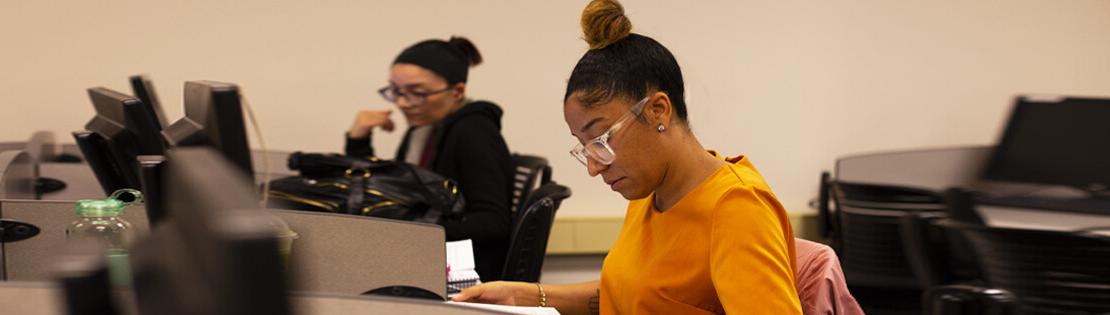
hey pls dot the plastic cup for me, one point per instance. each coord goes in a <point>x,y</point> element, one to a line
<point>285,245</point>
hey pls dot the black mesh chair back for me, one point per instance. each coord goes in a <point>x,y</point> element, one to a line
<point>872,251</point>
<point>1050,272</point>
<point>529,172</point>
<point>530,233</point>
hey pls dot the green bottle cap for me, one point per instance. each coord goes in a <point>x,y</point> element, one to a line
<point>110,207</point>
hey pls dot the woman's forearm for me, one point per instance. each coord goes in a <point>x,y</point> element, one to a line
<point>573,299</point>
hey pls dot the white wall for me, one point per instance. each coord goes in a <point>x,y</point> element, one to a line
<point>792,84</point>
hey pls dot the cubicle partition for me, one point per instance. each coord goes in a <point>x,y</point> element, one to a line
<point>334,254</point>
<point>353,254</point>
<point>17,175</point>
<point>28,259</point>
<point>933,169</point>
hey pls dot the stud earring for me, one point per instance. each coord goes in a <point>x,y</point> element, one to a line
<point>661,128</point>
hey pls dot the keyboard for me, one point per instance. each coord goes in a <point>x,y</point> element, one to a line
<point>1078,205</point>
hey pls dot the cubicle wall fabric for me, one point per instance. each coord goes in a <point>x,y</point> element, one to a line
<point>29,259</point>
<point>353,254</point>
<point>335,253</point>
<point>17,175</point>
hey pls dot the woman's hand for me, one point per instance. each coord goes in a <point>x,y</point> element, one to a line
<point>366,120</point>
<point>501,292</point>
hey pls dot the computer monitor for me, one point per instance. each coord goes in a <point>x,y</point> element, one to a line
<point>214,118</point>
<point>216,253</point>
<point>144,90</point>
<point>1055,141</point>
<point>122,129</point>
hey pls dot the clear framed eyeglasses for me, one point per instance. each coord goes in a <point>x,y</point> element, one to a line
<point>598,149</point>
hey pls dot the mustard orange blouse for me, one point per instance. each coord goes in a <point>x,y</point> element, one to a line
<point>725,247</point>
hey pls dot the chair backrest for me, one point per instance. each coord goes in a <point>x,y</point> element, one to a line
<point>870,232</point>
<point>530,233</point>
<point>527,169</point>
<point>939,255</point>
<point>820,281</point>
<point>1048,271</point>
<point>826,225</point>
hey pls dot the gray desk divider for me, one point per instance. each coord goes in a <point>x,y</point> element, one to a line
<point>12,145</point>
<point>351,254</point>
<point>935,169</point>
<point>279,163</point>
<point>42,146</point>
<point>45,298</point>
<point>17,175</point>
<point>28,260</point>
<point>335,253</point>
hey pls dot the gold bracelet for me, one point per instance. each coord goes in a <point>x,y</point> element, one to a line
<point>543,296</point>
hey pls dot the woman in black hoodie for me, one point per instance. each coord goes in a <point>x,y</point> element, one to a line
<point>451,135</point>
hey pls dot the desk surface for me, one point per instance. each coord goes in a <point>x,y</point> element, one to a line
<point>44,298</point>
<point>81,182</point>
<point>1036,219</point>
<point>79,179</point>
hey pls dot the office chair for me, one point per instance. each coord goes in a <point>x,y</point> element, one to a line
<point>526,170</point>
<point>530,233</point>
<point>967,300</point>
<point>939,255</point>
<point>871,246</point>
<point>1048,271</point>
<point>826,222</point>
<point>868,239</point>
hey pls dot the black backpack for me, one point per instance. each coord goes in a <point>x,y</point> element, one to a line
<point>371,187</point>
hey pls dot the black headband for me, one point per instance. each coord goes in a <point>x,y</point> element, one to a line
<point>437,56</point>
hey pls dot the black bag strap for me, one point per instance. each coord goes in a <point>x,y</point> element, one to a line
<point>436,201</point>
<point>356,190</point>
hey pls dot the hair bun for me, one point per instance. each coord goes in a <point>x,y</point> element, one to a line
<point>604,23</point>
<point>469,51</point>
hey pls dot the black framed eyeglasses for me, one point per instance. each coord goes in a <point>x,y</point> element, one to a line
<point>392,93</point>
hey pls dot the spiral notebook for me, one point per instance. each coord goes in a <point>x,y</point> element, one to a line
<point>460,267</point>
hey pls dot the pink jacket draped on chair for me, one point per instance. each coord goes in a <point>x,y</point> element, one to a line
<point>821,285</point>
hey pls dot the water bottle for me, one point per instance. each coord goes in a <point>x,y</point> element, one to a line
<point>99,220</point>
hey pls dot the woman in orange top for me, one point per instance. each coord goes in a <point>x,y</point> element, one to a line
<point>703,233</point>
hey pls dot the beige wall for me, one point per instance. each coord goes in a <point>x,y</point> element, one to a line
<point>793,84</point>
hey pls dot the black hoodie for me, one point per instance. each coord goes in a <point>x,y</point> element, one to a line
<point>469,149</point>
